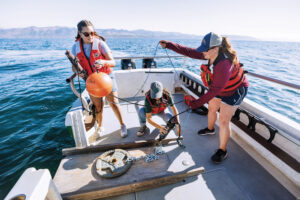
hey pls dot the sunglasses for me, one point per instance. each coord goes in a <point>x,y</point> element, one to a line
<point>88,34</point>
<point>210,49</point>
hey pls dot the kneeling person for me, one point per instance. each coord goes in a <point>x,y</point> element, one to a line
<point>156,101</point>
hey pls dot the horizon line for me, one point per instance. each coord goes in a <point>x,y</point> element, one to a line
<point>254,37</point>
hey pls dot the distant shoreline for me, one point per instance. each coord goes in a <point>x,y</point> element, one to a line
<point>67,32</point>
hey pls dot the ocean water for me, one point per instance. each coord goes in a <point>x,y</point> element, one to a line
<point>35,97</point>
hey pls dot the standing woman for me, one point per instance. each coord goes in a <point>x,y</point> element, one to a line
<point>94,55</point>
<point>227,84</point>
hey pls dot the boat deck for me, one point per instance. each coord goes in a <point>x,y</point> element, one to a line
<point>238,177</point>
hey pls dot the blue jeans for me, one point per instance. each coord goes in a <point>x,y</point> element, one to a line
<point>142,116</point>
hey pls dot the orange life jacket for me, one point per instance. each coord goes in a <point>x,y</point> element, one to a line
<point>236,79</point>
<point>161,107</point>
<point>89,64</point>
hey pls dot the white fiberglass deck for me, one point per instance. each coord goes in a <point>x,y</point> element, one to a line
<point>238,177</point>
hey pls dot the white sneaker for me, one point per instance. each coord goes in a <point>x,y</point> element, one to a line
<point>123,132</point>
<point>100,131</point>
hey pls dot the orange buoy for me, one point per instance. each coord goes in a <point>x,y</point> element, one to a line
<point>99,84</point>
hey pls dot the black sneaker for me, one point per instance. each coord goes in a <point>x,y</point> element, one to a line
<point>219,156</point>
<point>206,131</point>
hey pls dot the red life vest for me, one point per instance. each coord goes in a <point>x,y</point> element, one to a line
<point>161,107</point>
<point>236,79</point>
<point>89,64</point>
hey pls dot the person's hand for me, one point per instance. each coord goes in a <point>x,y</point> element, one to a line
<point>81,75</point>
<point>99,64</point>
<point>163,43</point>
<point>163,130</point>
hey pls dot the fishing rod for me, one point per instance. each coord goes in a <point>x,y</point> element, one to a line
<point>170,125</point>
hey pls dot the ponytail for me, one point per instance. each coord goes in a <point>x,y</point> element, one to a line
<point>228,51</point>
<point>99,36</point>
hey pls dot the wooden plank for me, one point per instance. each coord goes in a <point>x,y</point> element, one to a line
<point>123,145</point>
<point>150,183</point>
<point>78,173</point>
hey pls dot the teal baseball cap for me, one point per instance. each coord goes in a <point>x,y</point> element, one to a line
<point>156,90</point>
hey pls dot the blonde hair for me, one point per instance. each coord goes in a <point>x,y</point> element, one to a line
<point>226,49</point>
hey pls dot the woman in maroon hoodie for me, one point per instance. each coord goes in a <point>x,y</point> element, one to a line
<point>227,85</point>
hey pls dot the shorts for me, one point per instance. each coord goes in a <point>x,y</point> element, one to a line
<point>113,78</point>
<point>235,99</point>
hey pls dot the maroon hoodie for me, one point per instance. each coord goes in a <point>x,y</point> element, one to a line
<point>222,70</point>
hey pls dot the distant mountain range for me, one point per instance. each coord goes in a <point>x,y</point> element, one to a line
<point>65,32</point>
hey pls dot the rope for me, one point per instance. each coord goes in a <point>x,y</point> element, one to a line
<point>155,51</point>
<point>148,73</point>
<point>172,64</point>
<point>130,102</point>
<point>80,93</point>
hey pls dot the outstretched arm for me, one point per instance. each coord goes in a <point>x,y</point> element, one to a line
<point>183,50</point>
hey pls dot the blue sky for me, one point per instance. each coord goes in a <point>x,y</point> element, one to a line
<point>264,19</point>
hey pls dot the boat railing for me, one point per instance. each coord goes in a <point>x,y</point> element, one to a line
<point>292,85</point>
<point>70,80</point>
<point>146,57</point>
<point>151,58</point>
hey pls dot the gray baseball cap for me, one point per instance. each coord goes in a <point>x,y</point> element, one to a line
<point>156,90</point>
<point>210,40</point>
